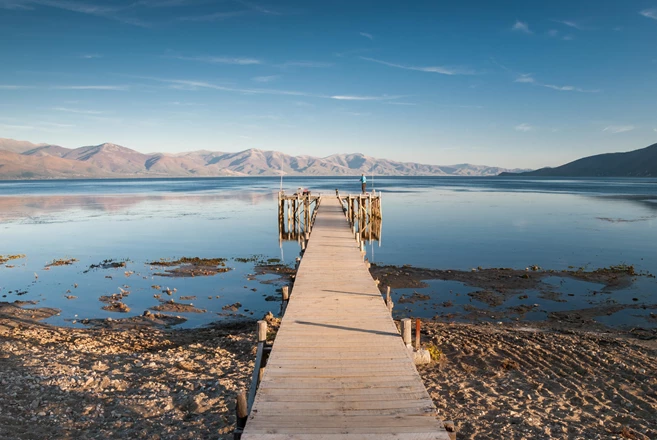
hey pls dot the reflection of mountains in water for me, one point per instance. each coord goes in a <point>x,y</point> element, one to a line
<point>16,208</point>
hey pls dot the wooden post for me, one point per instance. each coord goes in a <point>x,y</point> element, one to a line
<point>262,331</point>
<point>242,410</point>
<point>369,214</point>
<point>303,245</point>
<point>298,260</point>
<point>417,333</point>
<point>285,291</point>
<point>406,331</point>
<point>389,301</point>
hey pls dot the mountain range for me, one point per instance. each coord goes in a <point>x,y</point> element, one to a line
<point>25,160</point>
<point>636,163</point>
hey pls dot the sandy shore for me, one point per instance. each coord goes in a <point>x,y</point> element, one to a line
<point>493,381</point>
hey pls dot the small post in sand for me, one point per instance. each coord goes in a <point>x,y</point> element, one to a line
<point>406,331</point>
<point>242,414</point>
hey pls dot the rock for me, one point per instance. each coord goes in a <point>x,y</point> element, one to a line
<point>421,357</point>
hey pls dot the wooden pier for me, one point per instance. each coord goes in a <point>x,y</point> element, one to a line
<point>338,368</point>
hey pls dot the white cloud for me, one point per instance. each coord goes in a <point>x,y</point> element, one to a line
<point>196,85</point>
<point>523,127</point>
<point>311,64</point>
<point>243,61</point>
<point>569,88</point>
<point>649,13</point>
<point>116,88</point>
<point>90,56</point>
<point>265,79</point>
<point>116,13</point>
<point>13,87</point>
<point>553,33</point>
<point>78,111</point>
<point>443,70</point>
<point>614,129</point>
<point>521,26</point>
<point>217,16</point>
<point>366,35</point>
<point>567,37</point>
<point>364,98</point>
<point>529,79</point>
<point>525,78</point>
<point>655,130</point>
<point>568,23</point>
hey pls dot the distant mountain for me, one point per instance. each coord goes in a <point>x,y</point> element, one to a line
<point>24,160</point>
<point>17,146</point>
<point>637,163</point>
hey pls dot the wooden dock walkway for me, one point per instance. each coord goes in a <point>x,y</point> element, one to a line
<point>339,368</point>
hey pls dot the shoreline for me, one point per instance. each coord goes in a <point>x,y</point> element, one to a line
<point>523,380</point>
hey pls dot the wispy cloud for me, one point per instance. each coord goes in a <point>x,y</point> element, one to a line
<point>366,35</point>
<point>401,103</point>
<point>569,88</point>
<point>117,13</point>
<point>521,26</point>
<point>115,88</point>
<point>553,33</point>
<point>265,79</point>
<point>569,23</point>
<point>614,129</point>
<point>243,61</point>
<point>311,64</point>
<point>76,110</point>
<point>197,85</point>
<point>364,98</point>
<point>13,87</point>
<point>528,78</point>
<point>216,16</point>
<point>90,56</point>
<point>36,126</point>
<point>649,13</point>
<point>523,127</point>
<point>443,70</point>
<point>259,8</point>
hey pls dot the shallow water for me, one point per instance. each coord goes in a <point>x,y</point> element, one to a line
<point>446,223</point>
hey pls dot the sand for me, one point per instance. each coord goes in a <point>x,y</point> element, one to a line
<point>128,379</point>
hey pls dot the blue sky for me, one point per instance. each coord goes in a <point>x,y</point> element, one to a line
<point>509,83</point>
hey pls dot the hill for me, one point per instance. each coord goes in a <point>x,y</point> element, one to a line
<point>637,163</point>
<point>24,160</point>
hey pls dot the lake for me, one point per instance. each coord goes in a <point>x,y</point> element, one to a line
<point>459,223</point>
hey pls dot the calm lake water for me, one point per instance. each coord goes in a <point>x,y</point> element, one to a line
<point>437,222</point>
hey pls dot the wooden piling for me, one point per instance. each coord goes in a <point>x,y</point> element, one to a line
<point>242,410</point>
<point>285,291</point>
<point>406,331</point>
<point>262,331</point>
<point>417,333</point>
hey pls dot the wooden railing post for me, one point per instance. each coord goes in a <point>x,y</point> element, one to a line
<point>406,331</point>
